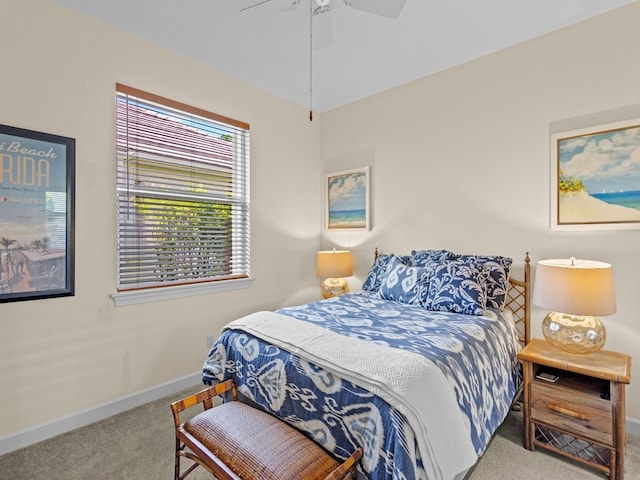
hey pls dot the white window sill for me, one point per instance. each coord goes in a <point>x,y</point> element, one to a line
<point>134,297</point>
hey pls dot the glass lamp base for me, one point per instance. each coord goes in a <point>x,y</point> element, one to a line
<point>574,333</point>
<point>332,287</point>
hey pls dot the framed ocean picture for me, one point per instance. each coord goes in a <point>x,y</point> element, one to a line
<point>595,178</point>
<point>347,199</point>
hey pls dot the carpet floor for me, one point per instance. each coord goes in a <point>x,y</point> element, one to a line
<point>138,444</point>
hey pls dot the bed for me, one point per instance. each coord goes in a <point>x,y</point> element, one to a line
<point>419,368</point>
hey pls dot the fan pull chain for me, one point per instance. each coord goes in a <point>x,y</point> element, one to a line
<point>310,60</point>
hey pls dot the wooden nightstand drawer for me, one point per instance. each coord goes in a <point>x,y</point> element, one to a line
<point>582,411</point>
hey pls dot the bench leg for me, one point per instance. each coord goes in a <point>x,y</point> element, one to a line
<point>176,473</point>
<point>181,451</point>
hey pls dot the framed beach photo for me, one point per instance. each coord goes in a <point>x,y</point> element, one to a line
<point>37,184</point>
<point>347,200</point>
<point>595,178</point>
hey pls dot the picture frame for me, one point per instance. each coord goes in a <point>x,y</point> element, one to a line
<point>37,210</point>
<point>348,200</point>
<point>595,177</point>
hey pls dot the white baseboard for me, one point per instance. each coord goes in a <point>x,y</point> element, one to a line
<point>24,438</point>
<point>633,426</point>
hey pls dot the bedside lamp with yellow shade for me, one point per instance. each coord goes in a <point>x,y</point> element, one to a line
<point>334,265</point>
<point>577,292</point>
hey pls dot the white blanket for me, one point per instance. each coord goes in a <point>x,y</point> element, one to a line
<point>407,381</point>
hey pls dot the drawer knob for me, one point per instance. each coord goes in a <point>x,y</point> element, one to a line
<point>568,411</point>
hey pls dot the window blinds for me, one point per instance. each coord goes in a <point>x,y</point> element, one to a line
<point>182,191</point>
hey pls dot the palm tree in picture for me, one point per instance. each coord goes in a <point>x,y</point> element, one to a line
<point>6,243</point>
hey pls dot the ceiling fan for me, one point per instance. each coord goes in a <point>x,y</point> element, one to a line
<point>322,12</point>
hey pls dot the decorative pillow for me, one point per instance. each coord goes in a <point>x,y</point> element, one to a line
<point>403,283</point>
<point>422,258</point>
<point>497,269</point>
<point>379,267</point>
<point>457,287</point>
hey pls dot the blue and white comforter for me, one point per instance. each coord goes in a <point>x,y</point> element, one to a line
<point>422,392</point>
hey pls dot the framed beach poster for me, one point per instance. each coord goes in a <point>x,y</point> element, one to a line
<point>37,175</point>
<point>595,178</point>
<point>347,195</point>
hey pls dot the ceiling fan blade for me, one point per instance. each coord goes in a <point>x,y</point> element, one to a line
<point>251,6</point>
<point>384,8</point>
<point>322,27</point>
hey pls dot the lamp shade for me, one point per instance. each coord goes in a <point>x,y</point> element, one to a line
<point>334,264</point>
<point>576,287</point>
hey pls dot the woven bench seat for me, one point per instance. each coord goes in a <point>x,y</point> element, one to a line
<point>235,441</point>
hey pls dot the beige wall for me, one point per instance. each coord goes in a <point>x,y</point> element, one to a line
<point>58,76</point>
<point>460,160</point>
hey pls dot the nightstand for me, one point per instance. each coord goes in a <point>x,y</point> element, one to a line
<point>581,414</point>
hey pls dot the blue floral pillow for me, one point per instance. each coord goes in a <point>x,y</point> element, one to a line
<point>376,274</point>
<point>457,287</point>
<point>497,280</point>
<point>423,258</point>
<point>403,283</point>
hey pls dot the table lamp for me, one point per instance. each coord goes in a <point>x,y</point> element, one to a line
<point>576,292</point>
<point>334,265</point>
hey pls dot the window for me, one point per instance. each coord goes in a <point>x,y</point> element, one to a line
<point>183,194</point>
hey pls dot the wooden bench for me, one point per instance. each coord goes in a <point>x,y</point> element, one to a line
<point>235,441</point>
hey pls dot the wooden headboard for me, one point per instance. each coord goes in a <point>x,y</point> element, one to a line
<point>518,300</point>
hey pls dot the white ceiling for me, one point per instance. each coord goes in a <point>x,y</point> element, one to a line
<point>369,53</point>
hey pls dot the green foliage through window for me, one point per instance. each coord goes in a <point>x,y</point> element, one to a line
<point>180,232</point>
